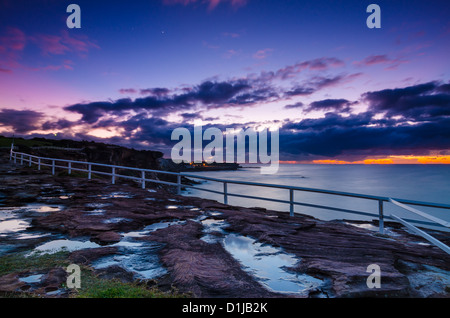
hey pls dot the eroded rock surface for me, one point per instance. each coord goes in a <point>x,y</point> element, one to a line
<point>123,220</point>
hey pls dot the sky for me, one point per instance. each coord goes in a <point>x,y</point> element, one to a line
<point>336,90</point>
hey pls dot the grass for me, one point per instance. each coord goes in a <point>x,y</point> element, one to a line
<point>6,142</point>
<point>95,287</point>
<point>20,262</point>
<point>92,286</point>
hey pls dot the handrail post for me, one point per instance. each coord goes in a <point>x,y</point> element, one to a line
<point>225,193</point>
<point>89,171</point>
<point>29,161</point>
<point>291,202</point>
<point>179,184</point>
<point>70,168</point>
<point>15,158</point>
<point>143,178</point>
<point>53,167</point>
<point>21,158</point>
<point>39,163</point>
<point>381,216</point>
<point>113,178</point>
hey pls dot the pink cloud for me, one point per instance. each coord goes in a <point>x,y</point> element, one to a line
<point>63,43</point>
<point>12,43</point>
<point>230,53</point>
<point>262,54</point>
<point>66,65</point>
<point>381,59</point>
<point>127,91</point>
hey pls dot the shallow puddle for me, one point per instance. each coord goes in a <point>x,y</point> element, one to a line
<point>114,195</point>
<point>211,226</point>
<point>13,225</point>
<point>44,208</point>
<point>373,228</point>
<point>31,278</point>
<point>64,245</point>
<point>270,265</point>
<point>97,205</point>
<point>137,256</point>
<point>116,220</point>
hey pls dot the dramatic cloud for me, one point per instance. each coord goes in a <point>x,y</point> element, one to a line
<point>338,105</point>
<point>208,93</point>
<point>296,105</point>
<point>291,71</point>
<point>383,59</point>
<point>359,135</point>
<point>316,83</point>
<point>418,102</point>
<point>20,121</point>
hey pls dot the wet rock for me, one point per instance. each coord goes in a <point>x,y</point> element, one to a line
<point>10,283</point>
<point>87,256</point>
<point>106,238</point>
<point>115,272</point>
<point>335,252</point>
<point>206,270</point>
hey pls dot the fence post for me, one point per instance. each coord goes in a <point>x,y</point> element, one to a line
<point>291,202</point>
<point>113,180</point>
<point>21,158</point>
<point>381,216</point>
<point>179,184</point>
<point>39,163</point>
<point>89,171</point>
<point>70,168</point>
<point>143,178</point>
<point>29,161</point>
<point>15,158</point>
<point>225,193</point>
<point>53,167</point>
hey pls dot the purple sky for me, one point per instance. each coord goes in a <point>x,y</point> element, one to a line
<point>136,70</point>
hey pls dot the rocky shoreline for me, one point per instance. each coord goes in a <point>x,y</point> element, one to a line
<point>169,241</point>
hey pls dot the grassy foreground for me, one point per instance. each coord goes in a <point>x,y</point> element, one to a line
<point>91,285</point>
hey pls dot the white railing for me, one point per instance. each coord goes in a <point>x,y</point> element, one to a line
<point>69,165</point>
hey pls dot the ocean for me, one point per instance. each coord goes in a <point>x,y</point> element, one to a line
<point>430,183</point>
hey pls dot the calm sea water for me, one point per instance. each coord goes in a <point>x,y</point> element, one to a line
<point>429,183</point>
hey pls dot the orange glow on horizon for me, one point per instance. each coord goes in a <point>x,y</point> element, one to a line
<point>384,161</point>
<point>425,159</point>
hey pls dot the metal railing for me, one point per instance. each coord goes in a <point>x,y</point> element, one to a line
<point>142,179</point>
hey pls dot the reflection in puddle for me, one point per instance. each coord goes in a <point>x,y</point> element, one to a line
<point>9,212</point>
<point>162,225</point>
<point>139,257</point>
<point>269,265</point>
<point>14,225</point>
<point>31,279</point>
<point>116,220</point>
<point>29,236</point>
<point>114,195</point>
<point>44,208</point>
<point>96,212</point>
<point>373,228</point>
<point>67,245</point>
<point>97,205</point>
<point>211,226</point>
